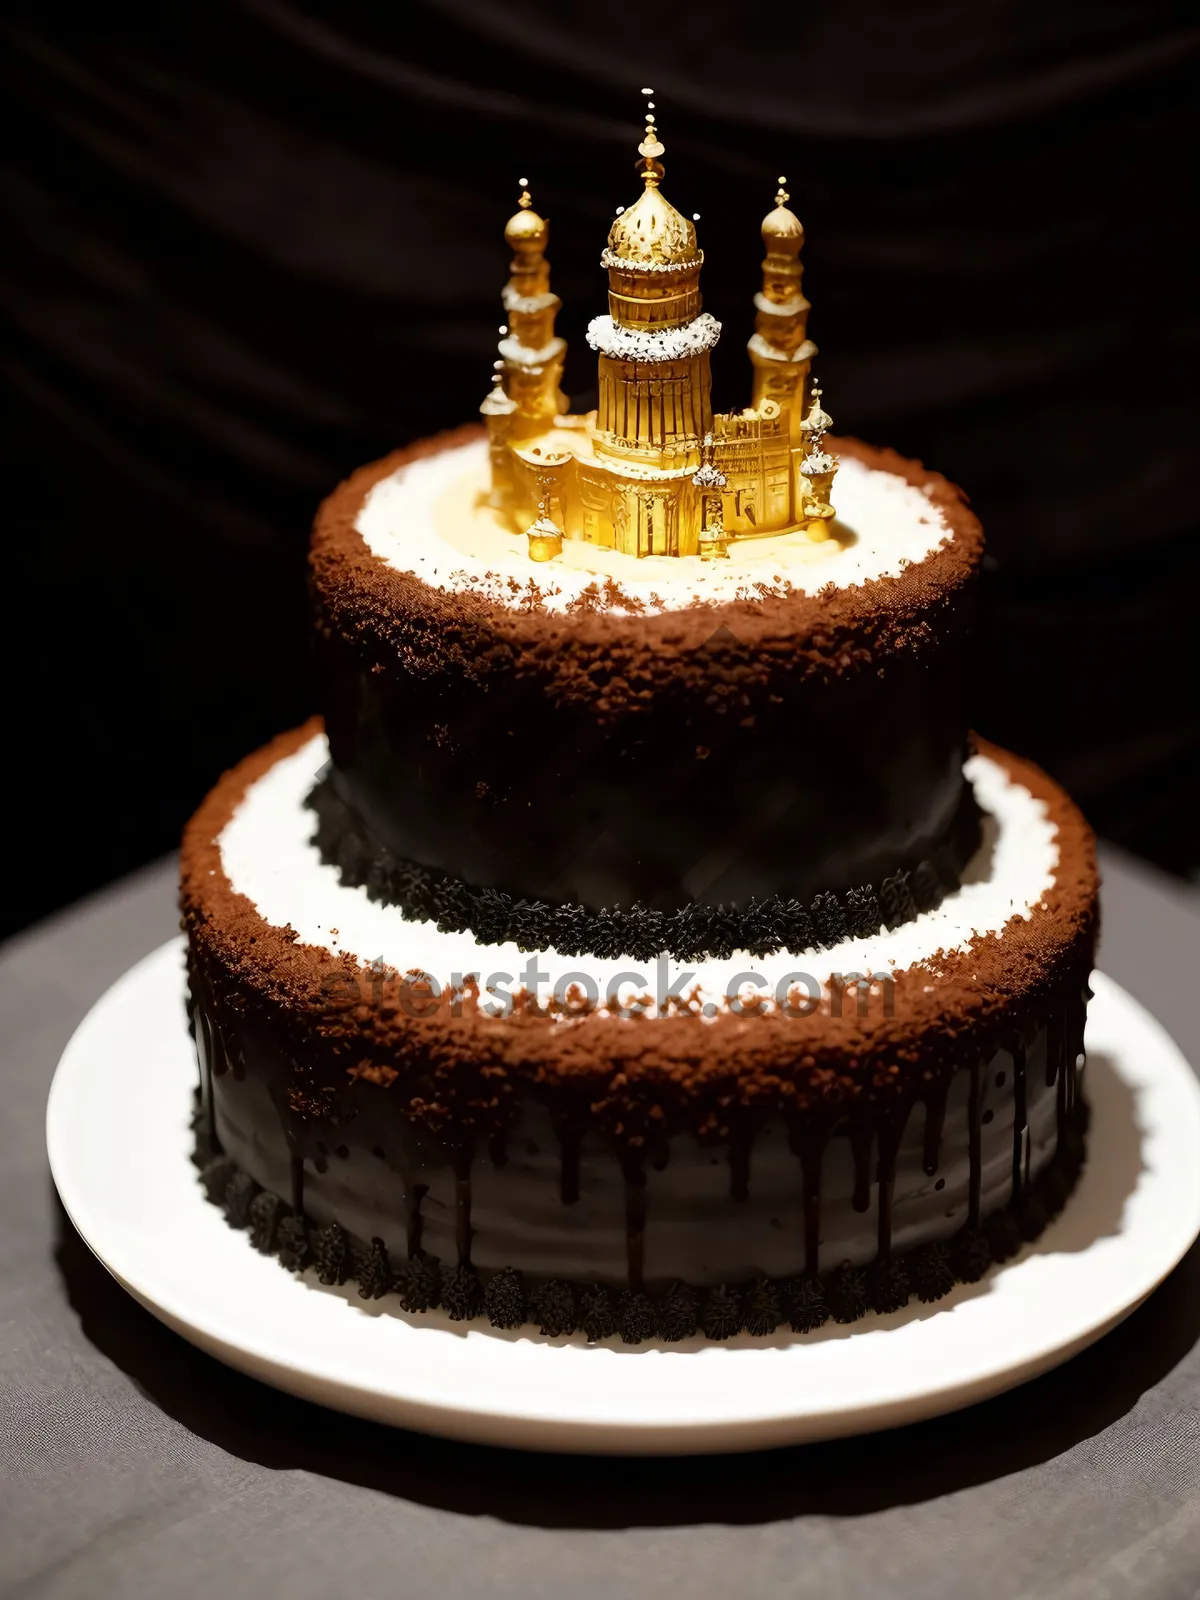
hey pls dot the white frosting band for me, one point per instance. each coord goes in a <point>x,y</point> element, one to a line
<point>267,856</point>
<point>610,338</point>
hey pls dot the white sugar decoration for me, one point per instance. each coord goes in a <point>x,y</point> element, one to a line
<point>757,345</point>
<point>525,304</point>
<point>512,350</point>
<point>609,338</point>
<point>609,258</point>
<point>267,856</point>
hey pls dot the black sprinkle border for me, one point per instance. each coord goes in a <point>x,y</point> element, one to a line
<point>556,1307</point>
<point>641,932</point>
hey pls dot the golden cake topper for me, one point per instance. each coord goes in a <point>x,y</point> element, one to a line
<point>654,470</point>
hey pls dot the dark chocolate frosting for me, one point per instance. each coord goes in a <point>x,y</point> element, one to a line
<point>800,1302</point>
<point>790,745</point>
<point>640,931</point>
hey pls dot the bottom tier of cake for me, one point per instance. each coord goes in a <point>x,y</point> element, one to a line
<point>674,1310</point>
<point>573,1143</point>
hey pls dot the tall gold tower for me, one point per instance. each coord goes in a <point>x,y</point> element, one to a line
<point>654,380</point>
<point>780,350</point>
<point>526,394</point>
<point>531,351</point>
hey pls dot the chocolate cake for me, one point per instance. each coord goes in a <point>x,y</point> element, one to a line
<point>640,945</point>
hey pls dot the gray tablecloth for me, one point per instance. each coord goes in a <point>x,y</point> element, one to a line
<point>137,1466</point>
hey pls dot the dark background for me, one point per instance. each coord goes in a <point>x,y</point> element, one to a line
<point>252,245</point>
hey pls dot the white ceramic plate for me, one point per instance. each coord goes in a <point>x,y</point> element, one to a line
<point>117,1129</point>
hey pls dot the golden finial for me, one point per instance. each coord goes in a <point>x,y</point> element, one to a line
<point>818,421</point>
<point>781,228</point>
<point>651,147</point>
<point>544,535</point>
<point>525,229</point>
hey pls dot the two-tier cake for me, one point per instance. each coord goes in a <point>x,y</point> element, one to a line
<point>640,945</point>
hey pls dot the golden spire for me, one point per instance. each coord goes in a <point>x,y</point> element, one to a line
<point>652,233</point>
<point>651,148</point>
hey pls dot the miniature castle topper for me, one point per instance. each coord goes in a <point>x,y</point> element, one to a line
<point>654,470</point>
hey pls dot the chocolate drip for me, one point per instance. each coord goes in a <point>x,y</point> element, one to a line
<point>568,1173</point>
<point>297,1174</point>
<point>462,1204</point>
<point>1072,1070</point>
<point>935,1118</point>
<point>975,1142</point>
<point>1060,1108</point>
<point>414,1221</point>
<point>218,1060</point>
<point>809,1145</point>
<point>1020,1150</point>
<point>1076,1017</point>
<point>1056,1034</point>
<point>889,1144</point>
<point>860,1149</point>
<point>635,1217</point>
<point>756,1305</point>
<point>207,1102</point>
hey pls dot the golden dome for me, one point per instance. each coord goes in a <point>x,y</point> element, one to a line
<point>525,230</point>
<point>781,228</point>
<point>652,233</point>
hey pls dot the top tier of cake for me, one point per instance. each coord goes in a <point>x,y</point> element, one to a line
<point>789,724</point>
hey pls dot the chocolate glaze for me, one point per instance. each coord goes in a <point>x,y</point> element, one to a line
<point>975,1135</point>
<point>461,1162</point>
<point>935,1117</point>
<point>632,1226</point>
<point>414,1194</point>
<point>559,1306</point>
<point>787,745</point>
<point>1020,1155</point>
<point>639,930</point>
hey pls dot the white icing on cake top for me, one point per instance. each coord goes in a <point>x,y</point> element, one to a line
<point>426,519</point>
<point>267,856</point>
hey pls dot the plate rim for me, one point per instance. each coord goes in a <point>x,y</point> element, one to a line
<point>503,1423</point>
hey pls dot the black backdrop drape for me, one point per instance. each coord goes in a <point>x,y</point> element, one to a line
<point>251,245</point>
